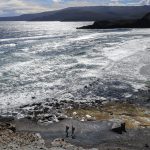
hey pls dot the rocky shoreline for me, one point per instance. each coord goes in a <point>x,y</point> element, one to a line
<point>44,124</point>
<point>99,123</point>
<point>112,24</point>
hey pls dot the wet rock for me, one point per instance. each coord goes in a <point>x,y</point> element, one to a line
<point>9,126</point>
<point>105,102</point>
<point>146,146</point>
<point>62,117</point>
<point>98,101</point>
<point>25,106</point>
<point>47,117</point>
<point>45,110</point>
<point>12,128</point>
<point>33,97</point>
<point>6,119</point>
<point>86,87</point>
<point>36,113</point>
<point>57,105</point>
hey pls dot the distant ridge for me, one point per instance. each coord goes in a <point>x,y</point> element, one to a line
<point>89,13</point>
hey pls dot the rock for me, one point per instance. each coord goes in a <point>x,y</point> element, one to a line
<point>146,145</point>
<point>8,126</point>
<point>86,87</point>
<point>33,97</point>
<point>47,116</point>
<point>74,113</point>
<point>88,116</point>
<point>105,102</point>
<point>58,143</point>
<point>83,119</point>
<point>91,119</point>
<point>57,105</point>
<point>61,117</point>
<point>98,101</point>
<point>118,127</point>
<point>123,127</point>
<point>12,128</point>
<point>6,119</point>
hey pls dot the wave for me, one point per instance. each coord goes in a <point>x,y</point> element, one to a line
<point>30,38</point>
<point>126,49</point>
<point>8,45</point>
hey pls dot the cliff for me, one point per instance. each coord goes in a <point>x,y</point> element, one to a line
<point>144,22</point>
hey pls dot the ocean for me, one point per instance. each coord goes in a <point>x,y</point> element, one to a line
<point>40,60</point>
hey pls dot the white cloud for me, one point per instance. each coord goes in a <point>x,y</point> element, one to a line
<point>57,1</point>
<point>145,2</point>
<point>72,3</point>
<point>115,3</point>
<point>20,6</point>
<point>140,2</point>
<point>17,7</point>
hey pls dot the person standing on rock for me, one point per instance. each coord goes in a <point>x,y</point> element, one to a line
<point>72,133</point>
<point>67,131</point>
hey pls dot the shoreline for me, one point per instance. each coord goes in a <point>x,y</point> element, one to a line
<point>99,124</point>
<point>94,131</point>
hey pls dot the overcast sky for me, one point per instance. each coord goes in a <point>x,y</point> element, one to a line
<point>17,7</point>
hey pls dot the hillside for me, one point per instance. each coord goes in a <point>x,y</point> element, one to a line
<point>144,22</point>
<point>91,13</point>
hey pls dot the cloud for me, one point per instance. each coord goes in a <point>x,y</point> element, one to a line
<point>116,3</point>
<point>145,2</point>
<point>57,1</point>
<point>71,3</point>
<point>20,7</point>
<point>17,7</point>
<point>139,2</point>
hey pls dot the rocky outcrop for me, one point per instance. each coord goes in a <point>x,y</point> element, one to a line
<point>107,24</point>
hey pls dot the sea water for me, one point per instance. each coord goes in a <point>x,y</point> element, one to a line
<point>55,60</point>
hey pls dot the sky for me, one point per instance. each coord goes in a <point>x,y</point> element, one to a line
<point>18,7</point>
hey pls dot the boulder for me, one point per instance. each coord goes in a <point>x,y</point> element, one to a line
<point>74,113</point>
<point>58,143</point>
<point>12,128</point>
<point>9,126</point>
<point>61,117</point>
<point>118,127</point>
<point>90,118</point>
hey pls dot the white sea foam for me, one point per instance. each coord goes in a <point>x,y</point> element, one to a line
<point>126,49</point>
<point>61,62</point>
<point>29,39</point>
<point>8,45</point>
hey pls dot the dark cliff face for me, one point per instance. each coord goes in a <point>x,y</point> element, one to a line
<point>144,22</point>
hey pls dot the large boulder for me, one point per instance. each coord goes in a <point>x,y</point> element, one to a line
<point>118,127</point>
